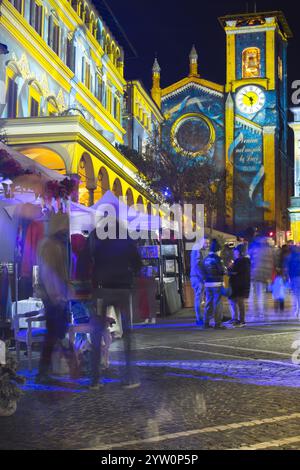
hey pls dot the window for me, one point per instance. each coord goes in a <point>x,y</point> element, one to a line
<point>12,98</point>
<point>34,107</point>
<point>53,35</point>
<point>36,16</point>
<point>82,69</point>
<point>56,34</point>
<point>34,100</point>
<point>118,116</point>
<point>87,80</point>
<point>279,68</point>
<point>139,143</point>
<point>251,62</point>
<point>18,4</point>
<point>108,99</point>
<point>70,59</point>
<point>114,110</point>
<point>98,87</point>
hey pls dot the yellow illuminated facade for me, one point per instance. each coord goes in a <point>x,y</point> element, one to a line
<point>63,94</point>
<point>294,209</point>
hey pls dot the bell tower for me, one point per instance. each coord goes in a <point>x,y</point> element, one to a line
<point>256,118</point>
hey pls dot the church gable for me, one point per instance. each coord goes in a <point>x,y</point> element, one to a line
<point>193,97</point>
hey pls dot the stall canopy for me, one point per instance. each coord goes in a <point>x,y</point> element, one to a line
<point>123,212</point>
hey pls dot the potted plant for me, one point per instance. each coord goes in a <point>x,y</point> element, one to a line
<point>10,393</point>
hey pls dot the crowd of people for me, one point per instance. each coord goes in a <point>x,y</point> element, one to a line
<point>111,265</point>
<point>252,271</point>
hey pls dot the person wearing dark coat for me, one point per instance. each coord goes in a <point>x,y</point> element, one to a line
<point>114,264</point>
<point>213,272</point>
<point>239,281</point>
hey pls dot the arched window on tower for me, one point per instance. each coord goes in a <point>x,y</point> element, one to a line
<point>251,62</point>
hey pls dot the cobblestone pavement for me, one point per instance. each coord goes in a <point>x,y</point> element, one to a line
<point>232,389</point>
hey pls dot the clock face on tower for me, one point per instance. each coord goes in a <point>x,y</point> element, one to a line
<point>250,99</point>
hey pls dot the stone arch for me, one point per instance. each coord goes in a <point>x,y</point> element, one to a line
<point>80,9</point>
<point>86,15</point>
<point>87,180</point>
<point>74,5</point>
<point>102,184</point>
<point>117,188</point>
<point>130,198</point>
<point>149,208</point>
<point>140,201</point>
<point>107,47</point>
<point>113,53</point>
<point>47,157</point>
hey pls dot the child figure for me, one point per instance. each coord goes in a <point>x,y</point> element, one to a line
<point>278,291</point>
<point>106,341</point>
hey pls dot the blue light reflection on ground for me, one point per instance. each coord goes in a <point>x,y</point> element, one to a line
<point>164,325</point>
<point>67,384</point>
<point>251,372</point>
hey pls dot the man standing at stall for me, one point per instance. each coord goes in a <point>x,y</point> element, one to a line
<point>115,261</point>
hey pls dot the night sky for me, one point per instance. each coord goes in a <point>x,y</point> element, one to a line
<point>170,27</point>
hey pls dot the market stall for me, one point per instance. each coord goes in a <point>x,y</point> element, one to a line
<point>29,195</point>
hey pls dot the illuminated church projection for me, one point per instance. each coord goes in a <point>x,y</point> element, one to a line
<point>240,126</point>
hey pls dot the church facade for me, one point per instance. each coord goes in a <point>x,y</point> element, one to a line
<point>241,127</point>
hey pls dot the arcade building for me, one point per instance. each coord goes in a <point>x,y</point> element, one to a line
<point>62,91</point>
<point>64,101</point>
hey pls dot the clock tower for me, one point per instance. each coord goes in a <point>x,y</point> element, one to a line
<point>256,120</point>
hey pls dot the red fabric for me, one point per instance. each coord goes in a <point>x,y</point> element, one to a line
<point>35,233</point>
<point>78,243</point>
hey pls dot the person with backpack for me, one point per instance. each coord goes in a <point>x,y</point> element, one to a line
<point>198,253</point>
<point>114,261</point>
<point>213,271</point>
<point>239,282</point>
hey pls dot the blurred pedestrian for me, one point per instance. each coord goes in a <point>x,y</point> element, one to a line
<point>239,282</point>
<point>279,291</point>
<point>262,267</point>
<point>199,252</point>
<point>213,271</point>
<point>53,259</point>
<point>293,266</point>
<point>115,261</point>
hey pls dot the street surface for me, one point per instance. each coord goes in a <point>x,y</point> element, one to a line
<point>232,389</point>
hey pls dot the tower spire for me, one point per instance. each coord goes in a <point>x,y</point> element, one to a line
<point>193,62</point>
<point>156,90</point>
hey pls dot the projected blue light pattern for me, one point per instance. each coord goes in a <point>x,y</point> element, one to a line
<point>255,372</point>
<point>64,384</point>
